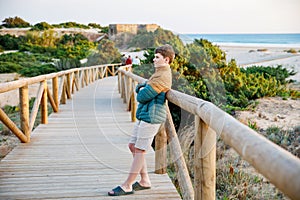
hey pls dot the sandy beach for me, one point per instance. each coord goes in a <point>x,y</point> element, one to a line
<point>271,111</point>
<point>265,56</point>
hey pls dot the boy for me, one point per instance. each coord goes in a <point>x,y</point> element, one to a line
<point>151,113</point>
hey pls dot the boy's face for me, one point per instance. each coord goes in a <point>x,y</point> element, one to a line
<point>159,60</point>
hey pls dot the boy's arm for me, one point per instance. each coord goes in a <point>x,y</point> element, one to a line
<point>146,94</point>
<point>139,86</point>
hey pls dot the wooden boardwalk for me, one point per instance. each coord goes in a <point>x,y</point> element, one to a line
<point>80,154</point>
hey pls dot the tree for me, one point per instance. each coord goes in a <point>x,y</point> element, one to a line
<point>107,53</point>
<point>94,25</point>
<point>41,26</point>
<point>9,42</point>
<point>145,40</point>
<point>15,22</point>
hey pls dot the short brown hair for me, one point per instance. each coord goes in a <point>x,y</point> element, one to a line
<point>166,51</point>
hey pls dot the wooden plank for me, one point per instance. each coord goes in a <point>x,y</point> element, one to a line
<point>81,154</point>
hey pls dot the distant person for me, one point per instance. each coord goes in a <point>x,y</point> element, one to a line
<point>136,61</point>
<point>129,60</point>
<point>151,114</point>
<point>123,59</point>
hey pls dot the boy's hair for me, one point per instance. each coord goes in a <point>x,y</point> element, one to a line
<point>166,51</point>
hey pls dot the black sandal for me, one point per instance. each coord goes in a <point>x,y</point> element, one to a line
<point>118,191</point>
<point>137,186</point>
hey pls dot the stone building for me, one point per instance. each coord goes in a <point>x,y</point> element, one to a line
<point>114,29</point>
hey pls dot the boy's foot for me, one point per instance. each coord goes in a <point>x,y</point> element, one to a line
<point>137,186</point>
<point>118,191</point>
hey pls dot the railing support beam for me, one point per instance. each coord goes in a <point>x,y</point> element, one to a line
<point>204,161</point>
<point>24,112</point>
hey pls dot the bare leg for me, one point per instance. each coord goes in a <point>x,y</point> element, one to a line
<point>145,180</point>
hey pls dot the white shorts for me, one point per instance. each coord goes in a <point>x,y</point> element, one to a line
<point>143,134</point>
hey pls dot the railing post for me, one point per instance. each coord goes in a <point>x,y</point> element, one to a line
<point>63,99</point>
<point>85,77</point>
<point>81,79</point>
<point>113,70</point>
<point>124,88</point>
<point>161,151</point>
<point>204,161</point>
<point>119,82</point>
<point>101,72</point>
<point>24,112</point>
<point>133,102</point>
<point>128,92</point>
<point>44,106</point>
<point>68,89</point>
<point>55,90</point>
<point>76,80</point>
<point>92,75</point>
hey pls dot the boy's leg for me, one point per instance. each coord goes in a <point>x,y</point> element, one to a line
<point>145,134</point>
<point>136,168</point>
<point>145,180</point>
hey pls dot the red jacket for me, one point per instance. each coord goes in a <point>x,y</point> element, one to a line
<point>128,61</point>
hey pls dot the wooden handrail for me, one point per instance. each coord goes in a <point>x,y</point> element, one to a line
<point>279,166</point>
<point>69,79</point>
<point>8,86</point>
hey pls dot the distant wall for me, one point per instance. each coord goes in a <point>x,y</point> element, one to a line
<point>115,29</point>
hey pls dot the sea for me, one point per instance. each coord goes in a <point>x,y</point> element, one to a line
<point>277,40</point>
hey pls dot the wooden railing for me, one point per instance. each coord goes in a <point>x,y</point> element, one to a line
<point>279,166</point>
<point>70,80</point>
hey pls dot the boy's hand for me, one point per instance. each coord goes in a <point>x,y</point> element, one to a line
<point>139,86</point>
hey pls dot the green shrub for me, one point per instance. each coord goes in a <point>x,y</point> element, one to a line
<point>106,53</point>
<point>94,25</point>
<point>9,67</point>
<point>262,50</point>
<point>291,51</point>
<point>278,72</point>
<point>38,70</point>
<point>9,42</point>
<point>252,125</point>
<point>70,25</point>
<point>15,22</point>
<point>41,26</point>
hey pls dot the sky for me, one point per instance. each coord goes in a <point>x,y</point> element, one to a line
<point>179,16</point>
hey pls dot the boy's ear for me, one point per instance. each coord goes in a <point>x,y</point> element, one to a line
<point>167,59</point>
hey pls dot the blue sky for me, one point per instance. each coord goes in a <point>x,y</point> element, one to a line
<point>188,16</point>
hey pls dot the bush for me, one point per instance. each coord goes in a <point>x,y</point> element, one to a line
<point>15,22</point>
<point>291,51</point>
<point>9,67</point>
<point>107,53</point>
<point>9,42</point>
<point>262,50</point>
<point>70,25</point>
<point>94,25</point>
<point>41,26</point>
<point>278,72</point>
<point>38,70</point>
<point>146,40</point>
